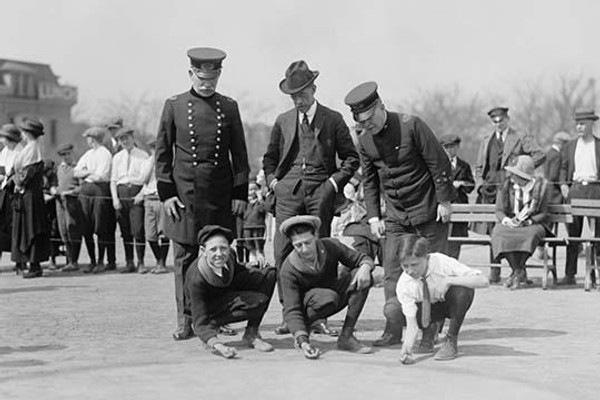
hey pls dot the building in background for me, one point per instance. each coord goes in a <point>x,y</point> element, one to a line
<point>28,88</point>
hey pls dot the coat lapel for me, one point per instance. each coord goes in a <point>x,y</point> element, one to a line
<point>318,120</point>
<point>509,144</point>
<point>288,130</point>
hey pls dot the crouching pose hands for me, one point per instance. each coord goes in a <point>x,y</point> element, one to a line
<point>432,288</point>
<point>316,286</point>
<point>221,291</point>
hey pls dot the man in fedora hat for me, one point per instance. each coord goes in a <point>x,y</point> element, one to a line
<point>402,162</point>
<point>319,278</point>
<point>126,182</point>
<point>580,179</point>
<point>201,165</point>
<point>300,163</point>
<point>496,151</point>
<point>463,182</point>
<point>552,167</point>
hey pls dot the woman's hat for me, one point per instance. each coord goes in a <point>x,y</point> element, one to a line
<point>11,132</point>
<point>524,167</point>
<point>32,126</point>
<point>297,77</point>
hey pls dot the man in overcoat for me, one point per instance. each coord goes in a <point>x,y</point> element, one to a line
<point>201,165</point>
<point>402,162</point>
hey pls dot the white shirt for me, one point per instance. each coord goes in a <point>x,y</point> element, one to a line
<point>310,114</point>
<point>149,175</point>
<point>585,161</point>
<point>128,167</point>
<point>410,291</point>
<point>98,162</point>
<point>7,157</point>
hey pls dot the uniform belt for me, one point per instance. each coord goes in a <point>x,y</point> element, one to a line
<point>585,183</point>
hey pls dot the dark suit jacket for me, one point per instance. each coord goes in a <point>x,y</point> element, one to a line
<point>552,175</point>
<point>409,167</point>
<point>333,138</point>
<point>462,172</point>
<point>567,165</point>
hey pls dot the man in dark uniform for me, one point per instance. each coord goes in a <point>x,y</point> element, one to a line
<point>497,151</point>
<point>300,163</point>
<point>402,161</point>
<point>462,179</point>
<point>200,131</point>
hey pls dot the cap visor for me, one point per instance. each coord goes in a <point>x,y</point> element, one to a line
<point>364,115</point>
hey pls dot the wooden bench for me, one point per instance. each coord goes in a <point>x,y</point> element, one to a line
<point>588,209</point>
<point>473,213</point>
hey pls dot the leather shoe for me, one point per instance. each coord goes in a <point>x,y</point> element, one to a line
<point>111,267</point>
<point>352,344</point>
<point>98,269</point>
<point>322,329</point>
<point>567,281</point>
<point>88,268</point>
<point>129,269</point>
<point>448,351</point>
<point>33,274</point>
<point>387,339</point>
<point>183,333</point>
<point>282,329</point>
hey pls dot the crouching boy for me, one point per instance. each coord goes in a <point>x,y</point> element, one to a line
<point>221,291</point>
<point>432,288</point>
<point>313,287</point>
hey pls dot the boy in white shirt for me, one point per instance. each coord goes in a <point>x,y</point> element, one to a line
<point>433,287</point>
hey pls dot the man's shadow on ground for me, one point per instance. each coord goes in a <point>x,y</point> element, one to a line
<point>47,288</point>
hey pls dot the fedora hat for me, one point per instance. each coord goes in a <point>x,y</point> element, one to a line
<point>585,114</point>
<point>524,167</point>
<point>297,77</point>
<point>11,132</point>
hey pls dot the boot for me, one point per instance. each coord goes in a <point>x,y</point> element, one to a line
<point>252,339</point>
<point>449,349</point>
<point>348,342</point>
<point>389,337</point>
<point>35,271</point>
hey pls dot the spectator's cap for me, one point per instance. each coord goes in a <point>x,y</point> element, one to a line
<point>585,114</point>
<point>315,222</point>
<point>206,61</point>
<point>362,100</point>
<point>498,112</point>
<point>524,167</point>
<point>32,126</point>
<point>561,137</point>
<point>114,124</point>
<point>124,131</point>
<point>449,140</point>
<point>63,148</point>
<point>11,132</point>
<point>297,77</point>
<point>212,230</point>
<point>95,132</point>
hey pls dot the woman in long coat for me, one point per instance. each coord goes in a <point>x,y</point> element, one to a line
<point>30,236</point>
<point>521,207</point>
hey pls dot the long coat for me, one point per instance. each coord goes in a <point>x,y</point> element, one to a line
<point>201,158</point>
<point>406,164</point>
<point>333,138</point>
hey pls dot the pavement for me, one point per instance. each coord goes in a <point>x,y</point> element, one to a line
<point>75,336</point>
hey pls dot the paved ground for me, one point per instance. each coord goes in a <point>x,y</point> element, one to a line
<point>109,336</point>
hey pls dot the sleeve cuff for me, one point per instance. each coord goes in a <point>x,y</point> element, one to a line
<point>166,190</point>
<point>299,333</point>
<point>335,186</point>
<point>212,341</point>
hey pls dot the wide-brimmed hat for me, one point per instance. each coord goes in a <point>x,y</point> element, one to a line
<point>209,231</point>
<point>585,114</point>
<point>32,126</point>
<point>313,221</point>
<point>11,132</point>
<point>297,77</point>
<point>524,167</point>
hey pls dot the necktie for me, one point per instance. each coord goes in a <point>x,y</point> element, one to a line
<point>426,306</point>
<point>305,119</point>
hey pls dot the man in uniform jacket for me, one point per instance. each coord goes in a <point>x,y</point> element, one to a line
<point>403,162</point>
<point>497,151</point>
<point>300,163</point>
<point>201,165</point>
<point>580,179</point>
<point>463,182</point>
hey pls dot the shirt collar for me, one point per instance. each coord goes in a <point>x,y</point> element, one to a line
<point>310,113</point>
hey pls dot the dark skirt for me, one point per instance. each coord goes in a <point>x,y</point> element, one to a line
<point>6,216</point>
<point>30,233</point>
<point>523,239</point>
